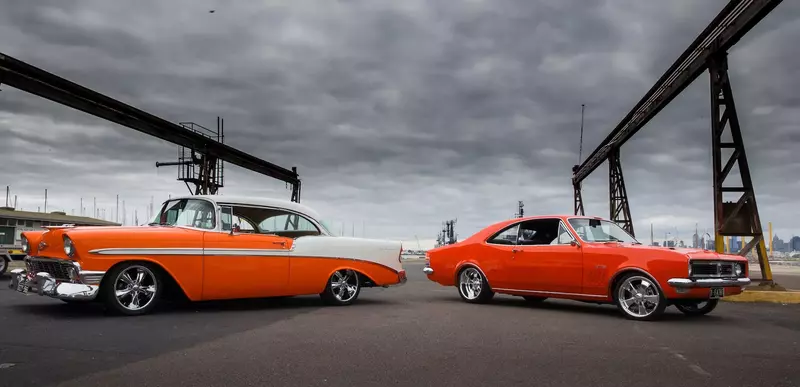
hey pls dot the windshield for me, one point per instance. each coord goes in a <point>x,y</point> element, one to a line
<point>187,212</point>
<point>595,230</point>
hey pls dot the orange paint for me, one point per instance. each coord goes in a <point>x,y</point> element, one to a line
<point>189,257</point>
<point>583,271</point>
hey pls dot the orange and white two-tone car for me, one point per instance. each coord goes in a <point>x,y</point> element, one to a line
<point>585,259</point>
<point>208,248</point>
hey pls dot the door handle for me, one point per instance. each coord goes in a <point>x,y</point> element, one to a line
<point>515,250</point>
<point>279,243</point>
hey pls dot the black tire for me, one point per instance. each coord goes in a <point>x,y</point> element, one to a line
<point>646,298</point>
<point>151,288</point>
<point>694,309</point>
<point>3,265</point>
<point>534,299</point>
<point>343,288</point>
<point>476,290</point>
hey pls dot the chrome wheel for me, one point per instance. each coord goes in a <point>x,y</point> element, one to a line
<point>3,265</point>
<point>135,287</point>
<point>639,297</point>
<point>470,283</point>
<point>344,285</point>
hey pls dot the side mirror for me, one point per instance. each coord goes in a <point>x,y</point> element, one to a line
<point>573,243</point>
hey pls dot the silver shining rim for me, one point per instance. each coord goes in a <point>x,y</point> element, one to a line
<point>344,284</point>
<point>470,283</point>
<point>3,264</point>
<point>135,287</point>
<point>638,296</point>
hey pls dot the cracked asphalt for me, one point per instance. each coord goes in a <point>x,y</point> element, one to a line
<point>419,334</point>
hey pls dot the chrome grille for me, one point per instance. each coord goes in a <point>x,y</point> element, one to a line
<point>58,269</point>
<point>713,269</point>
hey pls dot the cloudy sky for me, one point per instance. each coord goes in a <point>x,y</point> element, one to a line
<point>399,114</point>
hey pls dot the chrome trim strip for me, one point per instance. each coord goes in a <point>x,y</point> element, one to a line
<point>555,293</point>
<point>149,251</point>
<point>247,252</point>
<point>685,283</point>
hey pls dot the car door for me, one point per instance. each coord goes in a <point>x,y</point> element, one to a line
<point>495,253</point>
<point>551,261</point>
<point>244,265</point>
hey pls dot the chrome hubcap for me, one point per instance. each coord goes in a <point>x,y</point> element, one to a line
<point>638,296</point>
<point>135,287</point>
<point>344,284</point>
<point>470,283</point>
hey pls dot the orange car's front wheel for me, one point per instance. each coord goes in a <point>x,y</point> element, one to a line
<point>638,297</point>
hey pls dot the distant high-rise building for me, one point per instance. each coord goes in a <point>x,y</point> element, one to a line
<point>696,241</point>
<point>794,243</point>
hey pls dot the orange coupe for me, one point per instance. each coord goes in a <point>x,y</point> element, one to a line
<point>207,248</point>
<point>585,259</point>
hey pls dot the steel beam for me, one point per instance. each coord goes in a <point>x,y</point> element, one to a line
<point>578,198</point>
<point>618,196</point>
<point>739,218</point>
<point>735,20</point>
<point>31,79</point>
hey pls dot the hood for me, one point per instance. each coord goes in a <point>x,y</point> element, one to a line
<point>685,253</point>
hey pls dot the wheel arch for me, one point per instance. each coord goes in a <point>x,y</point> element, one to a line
<point>173,286</point>
<point>612,284</point>
<point>465,265</point>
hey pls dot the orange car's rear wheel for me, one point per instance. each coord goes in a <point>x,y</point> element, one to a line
<point>638,297</point>
<point>343,288</point>
<point>134,288</point>
<point>473,286</point>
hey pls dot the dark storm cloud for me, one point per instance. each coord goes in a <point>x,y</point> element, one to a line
<point>398,114</point>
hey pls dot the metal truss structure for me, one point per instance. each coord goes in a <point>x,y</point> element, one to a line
<point>706,52</point>
<point>208,151</point>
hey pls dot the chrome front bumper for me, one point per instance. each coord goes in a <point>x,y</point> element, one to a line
<point>686,283</point>
<point>44,284</point>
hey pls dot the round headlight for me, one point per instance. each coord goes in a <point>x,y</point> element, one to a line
<point>26,247</point>
<point>69,248</point>
<point>739,268</point>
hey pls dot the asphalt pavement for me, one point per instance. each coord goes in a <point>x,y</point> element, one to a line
<point>419,334</point>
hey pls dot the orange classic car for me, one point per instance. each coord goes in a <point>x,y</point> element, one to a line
<point>207,248</point>
<point>585,259</point>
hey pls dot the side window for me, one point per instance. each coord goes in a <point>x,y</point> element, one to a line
<point>286,222</point>
<point>539,232</point>
<point>506,237</point>
<point>564,237</point>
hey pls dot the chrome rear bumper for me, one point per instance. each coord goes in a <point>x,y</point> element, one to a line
<point>686,283</point>
<point>427,270</point>
<point>45,285</point>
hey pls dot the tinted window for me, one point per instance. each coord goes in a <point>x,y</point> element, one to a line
<point>506,237</point>
<point>539,232</point>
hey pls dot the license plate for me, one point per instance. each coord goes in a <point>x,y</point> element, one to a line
<point>717,292</point>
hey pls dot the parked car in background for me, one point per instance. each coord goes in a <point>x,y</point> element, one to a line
<point>208,248</point>
<point>585,259</point>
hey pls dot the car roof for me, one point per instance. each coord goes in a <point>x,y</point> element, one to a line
<point>258,201</point>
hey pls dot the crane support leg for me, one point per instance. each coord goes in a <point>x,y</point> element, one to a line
<point>620,211</point>
<point>740,217</point>
<point>576,192</point>
<point>578,199</point>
